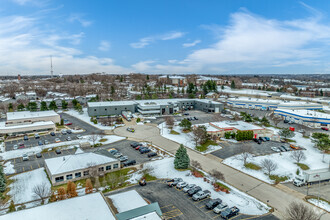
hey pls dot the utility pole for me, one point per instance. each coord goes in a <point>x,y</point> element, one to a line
<point>51,66</point>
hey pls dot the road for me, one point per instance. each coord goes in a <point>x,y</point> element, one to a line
<point>279,196</point>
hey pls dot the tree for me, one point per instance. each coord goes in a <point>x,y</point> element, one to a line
<point>43,106</point>
<point>88,186</point>
<point>299,211</point>
<point>268,165</point>
<point>169,121</point>
<point>52,105</point>
<point>181,160</point>
<point>78,107</point>
<point>64,104</point>
<point>11,207</point>
<point>186,124</point>
<point>298,155</point>
<point>61,193</point>
<point>10,107</point>
<point>217,175</point>
<point>199,135</point>
<point>286,133</point>
<point>264,121</point>
<point>195,165</point>
<point>246,153</point>
<point>93,137</point>
<point>41,191</point>
<point>20,107</point>
<point>232,85</point>
<point>32,106</point>
<point>71,190</point>
<point>3,180</point>
<point>74,102</point>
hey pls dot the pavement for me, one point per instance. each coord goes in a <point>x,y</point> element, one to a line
<point>322,190</point>
<point>278,198</point>
<point>175,204</point>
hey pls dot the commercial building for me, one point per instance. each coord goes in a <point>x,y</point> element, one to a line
<point>79,166</point>
<point>308,118</point>
<point>174,80</point>
<point>152,107</point>
<point>270,104</point>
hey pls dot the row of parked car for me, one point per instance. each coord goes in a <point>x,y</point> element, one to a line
<point>139,146</point>
<point>197,194</point>
<point>282,148</point>
<point>261,139</point>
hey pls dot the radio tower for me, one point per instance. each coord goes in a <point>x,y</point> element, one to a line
<point>51,66</point>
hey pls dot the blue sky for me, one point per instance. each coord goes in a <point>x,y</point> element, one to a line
<point>148,36</point>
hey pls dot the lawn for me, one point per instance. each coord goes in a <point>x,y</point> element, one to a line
<point>278,179</point>
<point>222,186</point>
<point>149,177</point>
<point>204,147</point>
<point>174,132</point>
<point>303,166</point>
<point>252,166</point>
<point>103,140</point>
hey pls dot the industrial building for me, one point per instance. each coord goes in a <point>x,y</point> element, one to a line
<point>269,104</point>
<point>152,107</point>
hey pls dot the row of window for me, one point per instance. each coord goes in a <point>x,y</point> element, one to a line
<point>107,109</point>
<point>85,173</point>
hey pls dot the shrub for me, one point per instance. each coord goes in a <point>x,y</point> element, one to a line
<point>252,166</point>
<point>138,120</point>
<point>303,166</point>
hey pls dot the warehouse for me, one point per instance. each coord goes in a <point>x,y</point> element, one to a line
<point>308,118</point>
<point>152,107</point>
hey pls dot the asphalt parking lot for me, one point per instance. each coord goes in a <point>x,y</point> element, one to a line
<point>230,149</point>
<point>323,190</point>
<point>175,204</point>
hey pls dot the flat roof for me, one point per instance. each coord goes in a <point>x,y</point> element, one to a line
<point>90,206</point>
<point>28,114</point>
<point>239,125</point>
<point>35,124</point>
<point>113,103</point>
<point>126,201</point>
<point>305,113</point>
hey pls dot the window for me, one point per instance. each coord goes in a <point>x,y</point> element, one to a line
<point>69,177</point>
<point>94,109</point>
<point>101,169</point>
<point>86,173</point>
<point>108,167</point>
<point>105,109</point>
<point>77,175</point>
<point>115,166</point>
<point>59,179</point>
<point>115,108</point>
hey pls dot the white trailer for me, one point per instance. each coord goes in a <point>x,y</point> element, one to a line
<point>312,176</point>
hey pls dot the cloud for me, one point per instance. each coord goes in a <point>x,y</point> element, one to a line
<point>192,44</point>
<point>38,3</point>
<point>104,46</point>
<point>79,18</point>
<point>143,42</point>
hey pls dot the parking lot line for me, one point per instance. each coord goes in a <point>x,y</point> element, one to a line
<point>165,206</point>
<point>38,165</point>
<point>202,206</point>
<point>31,167</point>
<point>216,216</point>
<point>237,216</point>
<point>23,169</point>
<point>201,200</point>
<point>209,211</point>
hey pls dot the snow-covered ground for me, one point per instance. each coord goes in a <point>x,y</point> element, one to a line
<point>321,204</point>
<point>183,138</point>
<point>21,188</point>
<point>247,204</point>
<point>8,168</point>
<point>315,159</point>
<point>84,117</point>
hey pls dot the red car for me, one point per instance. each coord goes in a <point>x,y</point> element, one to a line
<point>138,147</point>
<point>68,123</point>
<point>325,128</point>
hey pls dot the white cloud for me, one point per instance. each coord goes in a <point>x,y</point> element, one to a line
<point>143,42</point>
<point>104,46</point>
<point>192,44</point>
<point>143,66</point>
<point>31,2</point>
<point>79,18</point>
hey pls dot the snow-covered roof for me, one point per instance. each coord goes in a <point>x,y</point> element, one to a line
<point>208,127</point>
<point>113,103</point>
<point>27,115</point>
<point>126,201</point>
<point>305,113</point>
<point>239,125</point>
<point>69,163</point>
<point>35,124</point>
<point>173,77</point>
<point>91,206</point>
<point>205,78</point>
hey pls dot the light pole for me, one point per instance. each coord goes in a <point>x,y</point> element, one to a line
<point>318,196</point>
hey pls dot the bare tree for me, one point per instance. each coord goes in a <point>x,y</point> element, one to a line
<point>41,191</point>
<point>199,135</point>
<point>268,165</point>
<point>276,119</point>
<point>195,164</point>
<point>298,155</point>
<point>299,211</point>
<point>169,121</point>
<point>245,153</point>
<point>93,137</point>
<point>217,175</point>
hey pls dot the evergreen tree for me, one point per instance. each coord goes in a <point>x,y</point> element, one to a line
<point>182,91</point>
<point>233,86</point>
<point>3,180</point>
<point>64,104</point>
<point>74,102</point>
<point>32,106</point>
<point>147,77</point>
<point>71,190</point>
<point>10,107</point>
<point>43,106</point>
<point>181,160</point>
<point>89,186</point>
<point>52,105</point>
<point>20,107</point>
<point>61,193</point>
<point>113,91</point>
<point>321,92</point>
<point>12,207</point>
<point>186,124</point>
<point>78,107</point>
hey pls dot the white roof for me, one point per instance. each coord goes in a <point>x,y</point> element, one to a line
<point>69,163</point>
<point>208,127</point>
<point>305,113</point>
<point>239,125</point>
<point>91,206</point>
<point>114,103</point>
<point>126,201</point>
<point>35,124</point>
<point>27,115</point>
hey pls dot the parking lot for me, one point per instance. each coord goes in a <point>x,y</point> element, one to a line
<point>313,190</point>
<point>175,204</point>
<point>230,149</point>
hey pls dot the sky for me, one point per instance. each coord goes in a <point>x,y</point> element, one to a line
<point>164,36</point>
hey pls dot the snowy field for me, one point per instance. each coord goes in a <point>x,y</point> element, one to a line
<point>183,138</point>
<point>21,188</point>
<point>322,204</point>
<point>286,165</point>
<point>8,168</point>
<point>247,204</point>
<point>37,149</point>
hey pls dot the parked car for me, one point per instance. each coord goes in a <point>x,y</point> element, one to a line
<point>26,138</point>
<point>181,185</point>
<point>283,141</point>
<point>58,151</point>
<point>291,122</point>
<point>229,212</point>
<point>286,148</point>
<point>129,162</point>
<point>219,208</point>
<point>131,130</point>
<point>186,114</point>
<point>275,149</point>
<point>69,131</point>
<point>259,142</point>
<point>123,158</point>
<point>38,155</point>
<point>325,128</point>
<point>40,143</point>
<point>36,136</point>
<point>79,136</point>
<point>25,157</point>
<point>46,142</point>
<point>267,138</point>
<point>135,144</point>
<point>211,204</point>
<point>255,140</point>
<point>113,151</point>
<point>201,195</point>
<point>294,147</point>
<point>194,190</point>
<point>63,131</point>
<point>286,121</point>
<point>175,182</point>
<point>138,147</point>
<point>117,155</point>
<point>281,149</point>
<point>52,133</point>
<point>152,154</point>
<point>188,187</point>
<point>57,140</point>
<point>195,118</point>
<point>15,147</point>
<point>21,145</point>
<point>67,122</point>
<point>68,138</point>
<point>145,150</point>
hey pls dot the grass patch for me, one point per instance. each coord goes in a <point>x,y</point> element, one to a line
<point>290,140</point>
<point>205,146</point>
<point>278,179</point>
<point>149,177</point>
<point>174,132</point>
<point>103,140</point>
<point>186,130</point>
<point>222,186</point>
<point>306,137</point>
<point>81,182</point>
<point>252,166</point>
<point>4,196</point>
<point>60,126</point>
<point>182,169</point>
<point>303,166</point>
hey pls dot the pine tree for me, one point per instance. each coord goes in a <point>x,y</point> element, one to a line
<point>2,180</point>
<point>71,190</point>
<point>89,186</point>
<point>12,207</point>
<point>181,160</point>
<point>233,86</point>
<point>61,193</point>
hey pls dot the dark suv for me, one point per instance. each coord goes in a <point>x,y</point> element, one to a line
<point>229,212</point>
<point>129,163</point>
<point>194,190</point>
<point>135,144</point>
<point>213,203</point>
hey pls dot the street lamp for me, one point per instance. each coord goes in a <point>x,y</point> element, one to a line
<point>318,196</point>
